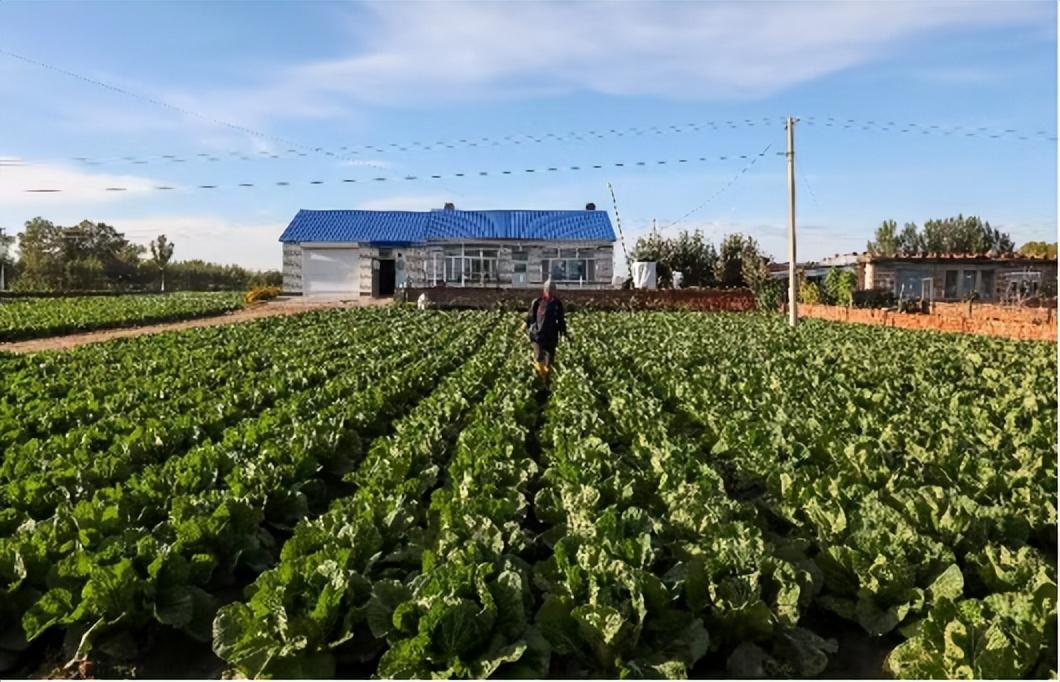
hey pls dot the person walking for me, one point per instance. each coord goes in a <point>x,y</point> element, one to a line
<point>545,322</point>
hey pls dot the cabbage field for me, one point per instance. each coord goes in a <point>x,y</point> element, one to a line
<point>394,493</point>
<point>31,318</point>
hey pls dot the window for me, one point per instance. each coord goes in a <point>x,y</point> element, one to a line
<point>470,264</point>
<point>908,283</point>
<point>951,284</point>
<point>967,281</point>
<point>568,265</point>
<point>986,283</point>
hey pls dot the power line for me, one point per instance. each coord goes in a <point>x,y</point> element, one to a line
<point>516,139</point>
<point>541,170</point>
<point>421,146</point>
<point>723,188</point>
<point>914,128</point>
<point>157,102</point>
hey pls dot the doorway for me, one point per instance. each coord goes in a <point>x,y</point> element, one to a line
<point>383,278</point>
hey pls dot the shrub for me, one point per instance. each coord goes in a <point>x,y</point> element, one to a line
<point>874,298</point>
<point>261,294</point>
<point>810,293</point>
<point>840,285</point>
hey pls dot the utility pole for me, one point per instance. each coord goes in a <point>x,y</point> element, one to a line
<point>793,314</point>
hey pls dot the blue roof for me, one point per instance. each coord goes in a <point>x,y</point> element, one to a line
<point>408,227</point>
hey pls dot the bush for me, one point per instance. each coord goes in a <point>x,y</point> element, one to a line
<point>874,298</point>
<point>261,294</point>
<point>810,293</point>
<point>840,285</point>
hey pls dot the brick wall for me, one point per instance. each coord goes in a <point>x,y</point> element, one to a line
<point>708,300</point>
<point>1020,323</point>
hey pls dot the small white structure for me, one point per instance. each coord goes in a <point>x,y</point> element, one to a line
<point>644,275</point>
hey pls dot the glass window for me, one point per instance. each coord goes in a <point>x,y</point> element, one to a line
<point>568,253</point>
<point>986,286</point>
<point>908,283</point>
<point>519,267</point>
<point>951,284</point>
<point>520,256</point>
<point>967,281</point>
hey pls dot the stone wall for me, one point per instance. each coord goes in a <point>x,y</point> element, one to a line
<point>292,268</point>
<point>992,320</point>
<point>708,300</point>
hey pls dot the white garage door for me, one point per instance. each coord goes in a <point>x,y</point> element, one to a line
<point>330,271</point>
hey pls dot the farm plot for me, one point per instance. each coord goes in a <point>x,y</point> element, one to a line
<point>388,492</point>
<point>32,318</point>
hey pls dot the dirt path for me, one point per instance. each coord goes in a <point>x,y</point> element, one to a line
<point>281,306</point>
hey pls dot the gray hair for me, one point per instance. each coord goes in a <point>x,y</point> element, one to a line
<point>550,286</point>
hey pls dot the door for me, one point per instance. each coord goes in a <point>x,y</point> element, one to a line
<point>329,271</point>
<point>385,282</point>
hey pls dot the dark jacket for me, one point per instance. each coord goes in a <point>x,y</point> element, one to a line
<point>546,324</point>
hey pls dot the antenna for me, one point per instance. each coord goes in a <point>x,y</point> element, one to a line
<point>621,238</point>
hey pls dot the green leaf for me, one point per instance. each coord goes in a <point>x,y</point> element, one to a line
<point>386,596</point>
<point>175,606</point>
<point>949,584</point>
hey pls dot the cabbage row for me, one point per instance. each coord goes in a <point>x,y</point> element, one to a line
<point>30,318</point>
<point>393,493</point>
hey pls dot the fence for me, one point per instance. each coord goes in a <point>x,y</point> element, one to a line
<point>705,300</point>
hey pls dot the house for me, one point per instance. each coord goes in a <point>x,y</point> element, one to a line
<point>951,277</point>
<point>372,253</point>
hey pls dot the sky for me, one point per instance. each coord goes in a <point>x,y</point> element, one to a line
<point>139,96</point>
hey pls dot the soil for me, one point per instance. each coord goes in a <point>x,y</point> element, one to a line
<point>279,306</point>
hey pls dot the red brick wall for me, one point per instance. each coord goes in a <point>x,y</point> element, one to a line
<point>707,300</point>
<point>1016,323</point>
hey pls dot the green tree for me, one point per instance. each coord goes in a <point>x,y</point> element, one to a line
<point>1038,250</point>
<point>161,252</point>
<point>809,292</point>
<point>754,271</point>
<point>694,257</point>
<point>729,269</point>
<point>886,242</point>
<point>41,256</point>
<point>909,241</point>
<point>960,234</point>
<point>839,285</point>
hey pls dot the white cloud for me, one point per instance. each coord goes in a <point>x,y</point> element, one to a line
<point>17,185</point>
<point>211,238</point>
<point>420,53</point>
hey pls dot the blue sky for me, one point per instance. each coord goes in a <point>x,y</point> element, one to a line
<point>333,75</point>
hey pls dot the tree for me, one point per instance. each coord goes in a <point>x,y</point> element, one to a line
<point>40,247</point>
<point>6,269</point>
<point>729,269</point>
<point>961,234</point>
<point>886,241</point>
<point>754,271</point>
<point>688,253</point>
<point>909,240</point>
<point>839,285</point>
<point>1038,250</point>
<point>161,252</point>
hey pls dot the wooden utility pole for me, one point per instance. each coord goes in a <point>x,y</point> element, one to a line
<point>793,295</point>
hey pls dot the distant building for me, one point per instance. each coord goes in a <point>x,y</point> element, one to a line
<point>374,252</point>
<point>939,277</point>
<point>951,277</point>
